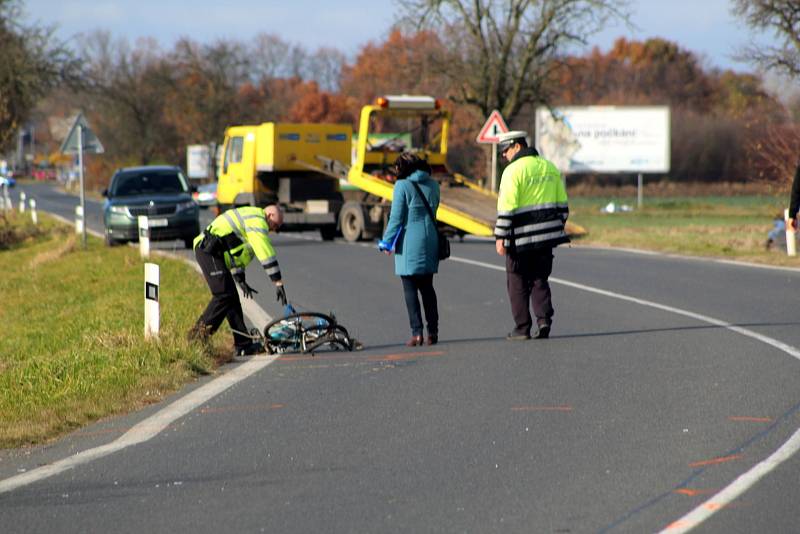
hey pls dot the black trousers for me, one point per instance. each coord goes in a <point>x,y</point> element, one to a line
<point>422,283</point>
<point>224,302</point>
<point>526,278</point>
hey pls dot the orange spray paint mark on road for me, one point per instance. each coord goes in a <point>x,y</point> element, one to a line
<point>679,524</point>
<point>715,461</point>
<point>693,492</point>
<point>541,408</point>
<point>290,359</point>
<point>351,357</point>
<point>404,356</point>
<point>748,419</point>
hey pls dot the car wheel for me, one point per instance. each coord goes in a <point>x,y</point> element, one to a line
<point>188,242</point>
<point>110,241</point>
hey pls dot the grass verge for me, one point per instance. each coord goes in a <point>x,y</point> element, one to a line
<point>716,226</point>
<point>72,349</point>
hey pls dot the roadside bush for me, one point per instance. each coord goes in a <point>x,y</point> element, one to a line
<point>15,230</point>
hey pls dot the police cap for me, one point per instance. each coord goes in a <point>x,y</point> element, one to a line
<point>507,139</point>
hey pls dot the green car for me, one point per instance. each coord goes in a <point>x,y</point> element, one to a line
<point>161,193</point>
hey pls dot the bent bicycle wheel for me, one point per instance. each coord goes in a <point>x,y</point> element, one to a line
<point>294,331</point>
<point>337,339</point>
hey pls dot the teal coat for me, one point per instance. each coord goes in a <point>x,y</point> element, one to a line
<point>416,251</point>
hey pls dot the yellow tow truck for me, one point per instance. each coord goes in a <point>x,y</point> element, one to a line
<point>327,178</point>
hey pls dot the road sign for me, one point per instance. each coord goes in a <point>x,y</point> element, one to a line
<point>81,139</point>
<point>494,126</point>
<point>90,143</point>
<point>198,161</point>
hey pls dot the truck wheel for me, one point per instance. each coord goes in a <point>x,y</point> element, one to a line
<point>351,221</point>
<point>327,232</point>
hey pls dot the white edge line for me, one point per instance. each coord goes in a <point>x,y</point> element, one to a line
<point>749,478</point>
<point>153,425</point>
<point>709,259</point>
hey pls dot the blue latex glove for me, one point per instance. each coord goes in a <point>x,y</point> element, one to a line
<point>383,246</point>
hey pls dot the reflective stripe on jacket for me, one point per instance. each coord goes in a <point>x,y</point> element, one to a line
<point>532,204</point>
<point>246,235</point>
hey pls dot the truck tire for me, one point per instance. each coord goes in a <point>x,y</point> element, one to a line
<point>351,221</point>
<point>327,232</point>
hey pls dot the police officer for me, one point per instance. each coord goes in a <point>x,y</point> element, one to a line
<point>223,251</point>
<point>531,215</point>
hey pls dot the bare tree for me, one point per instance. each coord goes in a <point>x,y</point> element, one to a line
<point>272,57</point>
<point>31,64</point>
<point>325,67</point>
<point>206,81</point>
<point>782,17</point>
<point>128,86</point>
<point>502,53</point>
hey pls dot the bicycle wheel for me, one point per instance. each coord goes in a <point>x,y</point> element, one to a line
<point>296,330</point>
<point>337,338</point>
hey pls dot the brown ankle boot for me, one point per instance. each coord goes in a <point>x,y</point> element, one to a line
<point>414,341</point>
<point>433,339</point>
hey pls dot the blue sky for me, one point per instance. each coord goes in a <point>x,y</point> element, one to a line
<point>710,31</point>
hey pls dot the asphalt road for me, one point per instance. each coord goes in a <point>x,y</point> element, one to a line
<point>653,394</point>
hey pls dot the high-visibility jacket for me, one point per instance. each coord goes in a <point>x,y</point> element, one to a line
<point>532,204</point>
<point>245,234</point>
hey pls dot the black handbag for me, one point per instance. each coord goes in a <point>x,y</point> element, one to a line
<point>443,243</point>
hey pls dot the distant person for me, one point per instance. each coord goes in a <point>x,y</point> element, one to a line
<point>412,236</point>
<point>532,212</point>
<point>777,233</point>
<point>223,251</point>
<point>794,198</point>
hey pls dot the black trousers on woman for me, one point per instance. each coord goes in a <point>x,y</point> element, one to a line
<point>422,284</point>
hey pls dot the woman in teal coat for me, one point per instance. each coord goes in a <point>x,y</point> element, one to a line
<point>411,234</point>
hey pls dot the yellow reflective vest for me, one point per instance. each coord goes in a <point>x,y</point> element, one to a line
<point>532,206</point>
<point>245,233</point>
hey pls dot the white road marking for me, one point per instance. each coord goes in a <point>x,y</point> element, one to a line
<point>146,429</point>
<point>748,479</point>
<point>153,425</point>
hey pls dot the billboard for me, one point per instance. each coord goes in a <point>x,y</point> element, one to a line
<point>605,139</point>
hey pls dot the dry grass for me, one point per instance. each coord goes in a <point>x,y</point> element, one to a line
<point>57,253</point>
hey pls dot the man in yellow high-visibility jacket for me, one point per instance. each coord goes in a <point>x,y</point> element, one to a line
<point>532,211</point>
<point>223,251</point>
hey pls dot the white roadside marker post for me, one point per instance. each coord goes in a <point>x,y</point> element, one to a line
<point>34,216</point>
<point>5,200</point>
<point>151,309</point>
<point>79,219</point>
<point>22,202</point>
<point>791,241</point>
<point>144,237</point>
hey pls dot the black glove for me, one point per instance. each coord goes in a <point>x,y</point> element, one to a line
<point>280,293</point>
<point>246,289</point>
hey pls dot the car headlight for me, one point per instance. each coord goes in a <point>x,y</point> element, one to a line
<point>189,204</point>
<point>119,210</point>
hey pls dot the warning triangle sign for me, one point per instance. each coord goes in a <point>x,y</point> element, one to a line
<point>494,126</point>
<point>88,140</point>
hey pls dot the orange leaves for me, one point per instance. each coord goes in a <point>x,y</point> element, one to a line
<point>313,105</point>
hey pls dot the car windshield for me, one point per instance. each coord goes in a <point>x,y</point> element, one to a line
<point>148,182</point>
